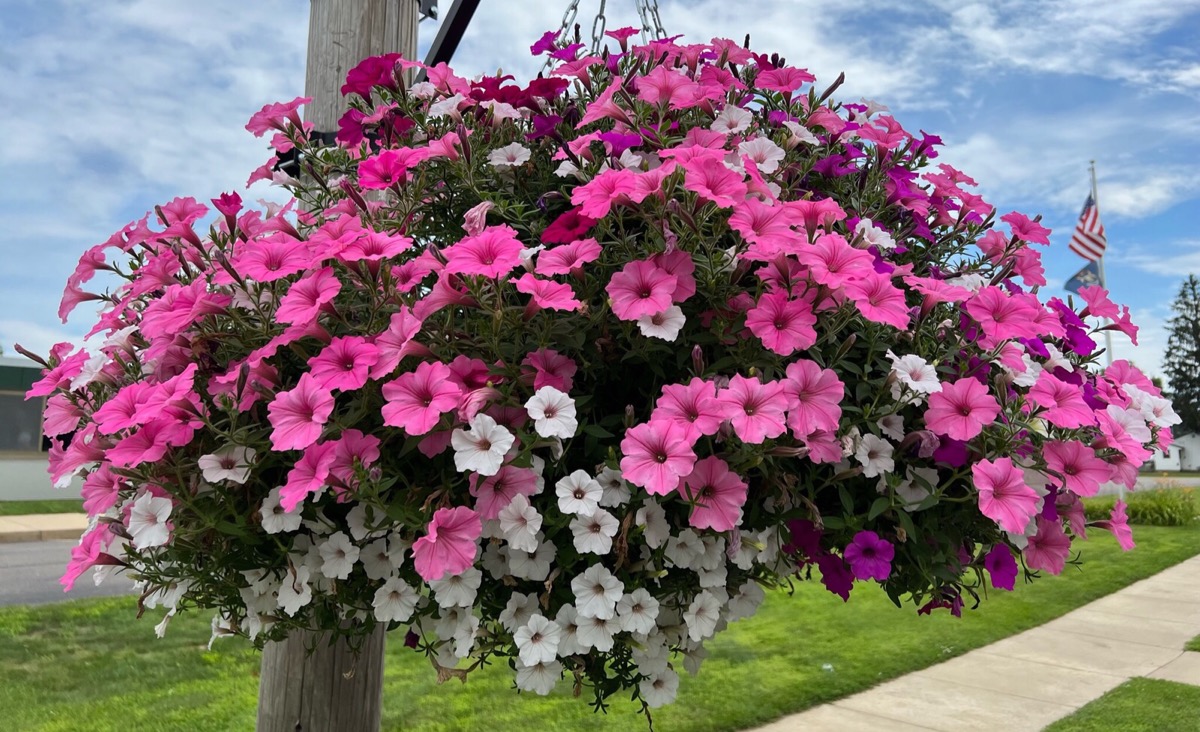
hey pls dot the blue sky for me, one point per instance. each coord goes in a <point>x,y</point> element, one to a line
<point>113,107</point>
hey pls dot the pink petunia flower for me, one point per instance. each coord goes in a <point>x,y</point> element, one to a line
<point>389,167</point>
<point>640,288</point>
<point>272,259</point>
<point>1083,472</point>
<point>693,406</point>
<point>1118,524</point>
<point>397,342</point>
<point>1049,548</point>
<point>87,554</point>
<point>306,297</point>
<point>1001,316</point>
<point>656,456</point>
<point>416,400</point>
<point>568,258</point>
<point>833,262</point>
<point>714,182</point>
<point>449,545</point>
<point>148,444</point>
<point>717,494</point>
<point>549,368</point>
<point>597,197</point>
<point>1003,495</point>
<point>1063,402</point>
<point>375,246</point>
<point>783,324</point>
<point>756,410</point>
<point>869,556</point>
<point>309,475</point>
<point>495,492</point>
<point>879,300</point>
<point>547,293</point>
<point>297,416</point>
<point>494,252</point>
<point>344,364</point>
<point>814,214</point>
<point>961,409</point>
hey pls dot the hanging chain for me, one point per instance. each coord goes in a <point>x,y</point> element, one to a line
<point>647,12</point>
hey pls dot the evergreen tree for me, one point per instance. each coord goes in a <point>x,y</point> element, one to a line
<point>1182,360</point>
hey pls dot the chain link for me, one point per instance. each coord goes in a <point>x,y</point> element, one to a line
<point>647,12</point>
<point>598,30</point>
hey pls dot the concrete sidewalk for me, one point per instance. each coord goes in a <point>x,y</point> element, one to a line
<point>1029,680</point>
<point>41,527</point>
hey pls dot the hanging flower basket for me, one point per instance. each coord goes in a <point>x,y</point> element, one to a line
<point>565,375</point>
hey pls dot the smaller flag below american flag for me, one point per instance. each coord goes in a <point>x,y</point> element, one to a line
<point>1089,275</point>
<point>1088,240</point>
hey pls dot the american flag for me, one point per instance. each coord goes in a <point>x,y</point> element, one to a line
<point>1088,240</point>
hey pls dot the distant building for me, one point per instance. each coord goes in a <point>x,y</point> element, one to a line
<point>23,448</point>
<point>1182,454</point>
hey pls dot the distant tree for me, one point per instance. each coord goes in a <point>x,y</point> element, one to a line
<point>1182,361</point>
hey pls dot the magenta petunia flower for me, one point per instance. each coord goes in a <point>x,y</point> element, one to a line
<point>1003,495</point>
<point>1049,548</point>
<point>1001,565</point>
<point>568,258</point>
<point>814,396</point>
<point>567,228</point>
<point>298,416</point>
<point>783,324</point>
<point>755,410</point>
<point>1063,402</point>
<point>656,456</point>
<point>495,492</point>
<point>389,167</point>
<point>1082,471</point>
<point>306,297</point>
<point>374,247</point>
<point>549,368</point>
<point>869,556</point>
<point>417,399</point>
<point>1118,524</point>
<point>547,294</point>
<point>494,252</point>
<point>717,494</point>
<point>693,406</point>
<point>344,364</point>
<point>640,288</point>
<point>449,544</point>
<point>961,409</point>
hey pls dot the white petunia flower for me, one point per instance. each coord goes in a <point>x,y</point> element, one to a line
<point>653,520</point>
<point>874,236</point>
<point>578,494</point>
<point>665,325</point>
<point>395,601</point>
<point>915,373</point>
<point>566,169</point>
<point>652,655</point>
<point>457,590</point>
<point>702,615</point>
<point>91,370</point>
<point>693,657</point>
<point>520,523</point>
<point>539,678</point>
<point>532,565</point>
<point>363,522</point>
<point>294,591</point>
<point>594,533</point>
<point>537,640</point>
<point>596,633</point>
<point>275,520</point>
<point>875,454</point>
<point>382,558</point>
<point>616,490</point>
<point>637,611</point>
<point>567,621</point>
<point>660,690</point>
<point>552,412</point>
<point>338,555</point>
<point>494,560</point>
<point>597,592</point>
<point>683,550</point>
<point>913,489</point>
<point>447,107</point>
<point>892,426</point>
<point>800,134</point>
<point>509,156</point>
<point>765,154</point>
<point>230,463</point>
<point>520,608</point>
<point>482,449</point>
<point>745,603</point>
<point>731,120</point>
<point>148,521</point>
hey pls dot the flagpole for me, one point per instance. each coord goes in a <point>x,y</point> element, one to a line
<point>1103,282</point>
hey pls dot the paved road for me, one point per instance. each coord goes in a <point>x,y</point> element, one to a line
<point>29,573</point>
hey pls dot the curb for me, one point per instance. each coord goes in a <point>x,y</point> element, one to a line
<point>41,527</point>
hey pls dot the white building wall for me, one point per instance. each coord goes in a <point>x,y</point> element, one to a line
<point>26,479</point>
<point>1189,457</point>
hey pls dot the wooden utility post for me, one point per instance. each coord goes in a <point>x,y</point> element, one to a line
<point>334,689</point>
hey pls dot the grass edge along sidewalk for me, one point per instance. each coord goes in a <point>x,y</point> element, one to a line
<point>91,665</point>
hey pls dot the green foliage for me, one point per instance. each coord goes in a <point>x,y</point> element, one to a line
<point>1138,705</point>
<point>1159,507</point>
<point>25,508</point>
<point>1182,355</point>
<point>87,666</point>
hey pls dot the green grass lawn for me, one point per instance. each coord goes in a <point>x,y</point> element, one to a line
<point>88,665</point>
<point>1138,705</point>
<point>24,508</point>
<point>1193,644</point>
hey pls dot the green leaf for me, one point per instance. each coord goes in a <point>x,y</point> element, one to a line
<point>880,505</point>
